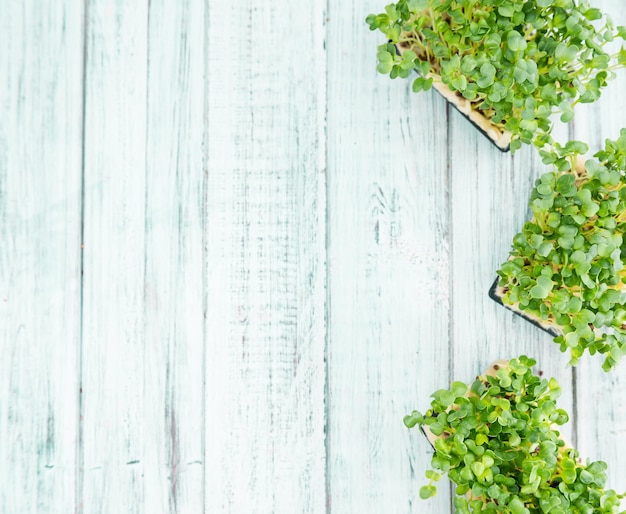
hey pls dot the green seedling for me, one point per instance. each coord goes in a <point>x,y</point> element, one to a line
<point>497,439</point>
<point>518,62</point>
<point>566,266</point>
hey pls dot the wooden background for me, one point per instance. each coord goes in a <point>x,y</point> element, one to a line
<point>232,257</point>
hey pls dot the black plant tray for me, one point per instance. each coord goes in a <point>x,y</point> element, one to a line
<point>428,438</point>
<point>495,296</point>
<point>459,107</point>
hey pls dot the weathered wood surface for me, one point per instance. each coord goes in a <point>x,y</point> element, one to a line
<point>115,395</point>
<point>41,61</point>
<point>232,259</point>
<point>266,261</point>
<point>173,367</point>
<point>388,255</point>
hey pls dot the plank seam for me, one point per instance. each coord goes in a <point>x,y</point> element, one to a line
<point>327,297</point>
<point>205,252</point>
<point>146,207</point>
<point>80,455</point>
<point>450,223</point>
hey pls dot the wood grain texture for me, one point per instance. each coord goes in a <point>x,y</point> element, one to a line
<point>40,202</point>
<point>389,255</point>
<point>265,258</point>
<point>174,289</point>
<point>115,435</point>
<point>601,397</point>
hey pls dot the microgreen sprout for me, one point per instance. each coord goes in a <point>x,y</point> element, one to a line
<point>517,62</point>
<point>497,439</point>
<point>566,266</point>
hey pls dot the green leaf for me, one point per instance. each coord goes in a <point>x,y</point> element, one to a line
<point>468,64</point>
<point>567,116</point>
<point>506,10</point>
<point>423,68</point>
<point>427,491</point>
<point>590,209</point>
<point>593,14</point>
<point>458,389</point>
<point>409,421</point>
<point>549,93</point>
<point>542,288</point>
<point>586,477</point>
<point>576,147</point>
<point>514,440</point>
<point>583,318</point>
<point>478,468</point>
<point>566,242</point>
<point>544,249</point>
<point>446,398</point>
<point>466,474</point>
<point>459,83</point>
<point>501,403</point>
<point>433,475</point>
<point>492,42</point>
<point>419,84</point>
<point>384,67</point>
<point>516,144</point>
<point>515,41</point>
<point>487,75</point>
<point>517,506</point>
<point>574,304</point>
<point>578,257</point>
<point>391,11</point>
<point>519,73</point>
<point>384,56</point>
<point>481,439</point>
<point>571,339</point>
<point>566,185</point>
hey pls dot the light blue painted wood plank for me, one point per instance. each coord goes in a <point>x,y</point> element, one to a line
<point>601,397</point>
<point>40,202</point>
<point>116,436</point>
<point>266,267</point>
<point>174,311</point>
<point>389,255</point>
